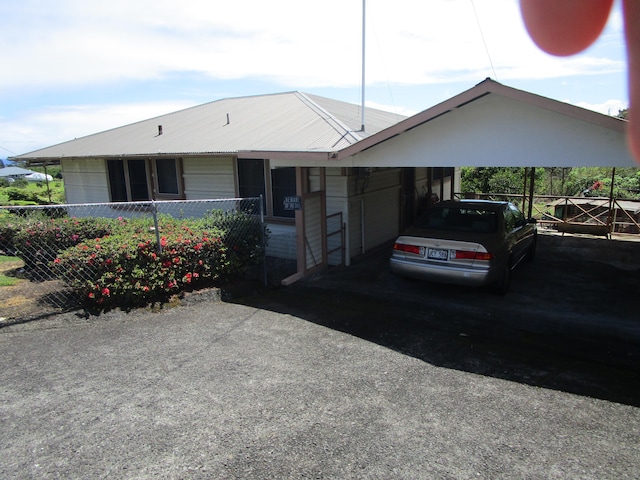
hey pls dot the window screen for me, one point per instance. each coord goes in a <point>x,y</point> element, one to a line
<point>117,181</point>
<point>167,174</point>
<point>251,181</point>
<point>283,184</point>
<point>138,180</point>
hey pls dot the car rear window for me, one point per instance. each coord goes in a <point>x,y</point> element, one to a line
<point>460,220</point>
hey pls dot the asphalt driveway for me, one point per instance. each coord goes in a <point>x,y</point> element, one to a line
<point>314,381</point>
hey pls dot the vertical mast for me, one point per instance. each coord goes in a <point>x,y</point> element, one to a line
<point>364,8</point>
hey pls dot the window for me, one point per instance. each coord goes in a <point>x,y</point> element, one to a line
<point>518,216</point>
<point>509,220</point>
<point>442,172</point>
<point>253,178</point>
<point>167,177</point>
<point>283,184</point>
<point>130,180</point>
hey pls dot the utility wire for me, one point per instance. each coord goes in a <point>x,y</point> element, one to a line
<point>486,49</point>
<point>12,153</point>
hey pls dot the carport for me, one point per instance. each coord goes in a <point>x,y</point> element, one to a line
<point>489,125</point>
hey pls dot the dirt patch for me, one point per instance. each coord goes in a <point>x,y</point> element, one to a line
<point>27,298</point>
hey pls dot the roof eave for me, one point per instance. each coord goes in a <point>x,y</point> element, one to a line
<point>482,89</point>
<point>316,156</point>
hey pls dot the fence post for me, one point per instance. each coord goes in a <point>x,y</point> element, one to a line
<point>264,248</point>
<point>154,210</point>
<point>610,216</point>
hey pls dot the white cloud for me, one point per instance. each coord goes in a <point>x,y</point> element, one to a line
<point>609,107</point>
<point>54,125</point>
<point>306,44</point>
<point>67,44</point>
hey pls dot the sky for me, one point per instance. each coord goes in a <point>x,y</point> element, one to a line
<point>70,68</point>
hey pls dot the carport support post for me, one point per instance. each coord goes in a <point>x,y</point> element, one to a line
<point>610,219</point>
<point>531,188</point>
<point>524,188</point>
<point>46,178</point>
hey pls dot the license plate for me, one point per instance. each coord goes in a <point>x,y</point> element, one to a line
<point>438,254</point>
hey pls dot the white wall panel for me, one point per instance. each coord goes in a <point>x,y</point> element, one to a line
<point>209,178</point>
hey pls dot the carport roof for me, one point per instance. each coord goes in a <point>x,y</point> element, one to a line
<point>486,87</point>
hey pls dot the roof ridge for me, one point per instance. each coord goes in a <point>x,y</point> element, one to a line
<point>329,118</point>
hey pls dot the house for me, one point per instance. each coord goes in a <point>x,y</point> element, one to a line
<point>12,173</point>
<point>371,181</point>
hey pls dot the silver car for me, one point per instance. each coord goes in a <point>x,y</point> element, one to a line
<point>466,242</point>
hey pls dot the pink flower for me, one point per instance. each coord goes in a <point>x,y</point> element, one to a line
<point>106,292</point>
<point>92,295</point>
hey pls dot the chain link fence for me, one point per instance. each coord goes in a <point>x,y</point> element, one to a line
<point>55,258</point>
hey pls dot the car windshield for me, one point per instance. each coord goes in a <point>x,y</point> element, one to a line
<point>459,219</point>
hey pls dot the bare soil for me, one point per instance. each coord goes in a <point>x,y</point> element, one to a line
<point>26,299</point>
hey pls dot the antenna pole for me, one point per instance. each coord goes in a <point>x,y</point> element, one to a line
<point>364,9</point>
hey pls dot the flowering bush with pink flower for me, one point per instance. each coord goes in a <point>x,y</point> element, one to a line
<point>37,238</point>
<point>128,268</point>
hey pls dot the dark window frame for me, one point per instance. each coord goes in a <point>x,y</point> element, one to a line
<point>253,175</point>
<point>125,187</point>
<point>178,193</point>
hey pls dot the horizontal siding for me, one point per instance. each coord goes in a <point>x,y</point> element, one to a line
<point>336,182</point>
<point>208,178</point>
<point>85,180</point>
<point>376,180</point>
<point>335,241</point>
<point>336,202</point>
<point>382,217</point>
<point>282,241</point>
<point>312,209</point>
<point>354,227</point>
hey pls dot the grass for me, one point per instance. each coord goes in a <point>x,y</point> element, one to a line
<point>6,264</point>
<point>56,187</point>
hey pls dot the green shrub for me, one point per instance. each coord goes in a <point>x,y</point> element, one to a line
<point>20,183</point>
<point>18,194</point>
<point>243,235</point>
<point>126,269</point>
<point>9,225</point>
<point>118,262</point>
<point>37,239</point>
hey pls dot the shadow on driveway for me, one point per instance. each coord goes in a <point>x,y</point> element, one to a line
<point>569,323</point>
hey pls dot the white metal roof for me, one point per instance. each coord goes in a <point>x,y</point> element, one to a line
<point>290,121</point>
<point>14,171</point>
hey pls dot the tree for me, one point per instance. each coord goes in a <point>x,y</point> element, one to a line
<point>507,180</point>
